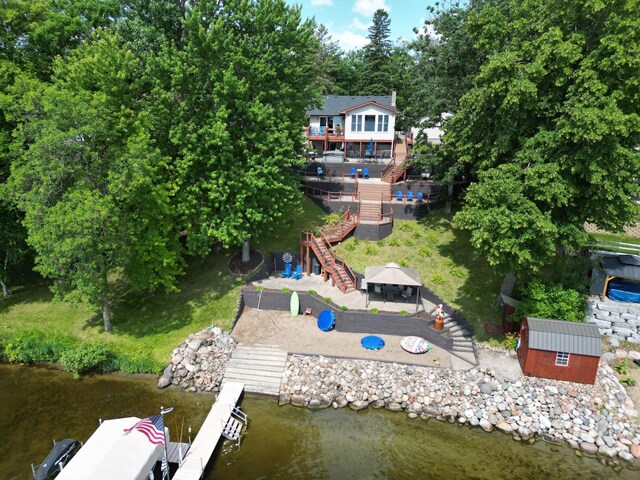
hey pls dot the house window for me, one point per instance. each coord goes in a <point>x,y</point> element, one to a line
<point>369,123</point>
<point>383,123</point>
<point>356,123</point>
<point>562,359</point>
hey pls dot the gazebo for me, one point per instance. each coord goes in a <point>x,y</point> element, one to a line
<point>391,280</point>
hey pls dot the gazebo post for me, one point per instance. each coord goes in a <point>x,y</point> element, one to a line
<point>417,297</point>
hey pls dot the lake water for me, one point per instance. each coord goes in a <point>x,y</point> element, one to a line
<point>39,404</point>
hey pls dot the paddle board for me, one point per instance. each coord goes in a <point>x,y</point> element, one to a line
<point>415,345</point>
<point>295,304</point>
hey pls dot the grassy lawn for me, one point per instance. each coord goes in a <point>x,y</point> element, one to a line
<point>445,260</point>
<point>150,325</point>
<point>606,241</point>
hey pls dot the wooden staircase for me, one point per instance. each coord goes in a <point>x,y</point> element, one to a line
<point>398,166</point>
<point>344,226</point>
<point>370,212</point>
<point>378,192</point>
<point>340,272</point>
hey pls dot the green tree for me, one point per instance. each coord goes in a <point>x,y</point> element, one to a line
<point>91,183</point>
<point>551,301</point>
<point>328,63</point>
<point>553,117</point>
<point>377,57</point>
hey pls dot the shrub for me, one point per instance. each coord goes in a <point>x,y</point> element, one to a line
<point>370,250</point>
<point>394,242</point>
<point>416,235</point>
<point>457,272</point>
<point>424,252</point>
<point>343,308</point>
<point>403,262</point>
<point>437,279</point>
<point>312,292</point>
<point>327,299</point>
<point>623,369</point>
<point>374,310</point>
<point>356,241</point>
<point>431,237</point>
<point>260,288</point>
<point>88,357</point>
<point>408,242</point>
<point>350,247</point>
<point>332,218</point>
<point>404,312</point>
<point>510,341</point>
<point>33,346</point>
<point>406,227</point>
<point>551,301</point>
<point>286,289</point>
<point>380,243</point>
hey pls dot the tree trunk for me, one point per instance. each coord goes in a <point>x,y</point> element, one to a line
<point>447,207</point>
<point>106,317</point>
<point>246,250</point>
<point>5,289</point>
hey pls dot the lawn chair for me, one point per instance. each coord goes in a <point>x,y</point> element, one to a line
<point>353,172</point>
<point>320,172</point>
<point>407,293</point>
<point>286,273</point>
<point>419,196</point>
<point>322,129</point>
<point>409,196</point>
<point>365,173</point>
<point>297,275</point>
<point>313,131</point>
<point>399,195</point>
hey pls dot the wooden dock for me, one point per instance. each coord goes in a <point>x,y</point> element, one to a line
<point>207,439</point>
<point>258,367</point>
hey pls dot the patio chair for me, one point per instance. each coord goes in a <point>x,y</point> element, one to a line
<point>353,172</point>
<point>322,130</point>
<point>419,196</point>
<point>409,196</point>
<point>286,273</point>
<point>313,131</point>
<point>297,275</point>
<point>365,173</point>
<point>399,195</point>
<point>320,172</point>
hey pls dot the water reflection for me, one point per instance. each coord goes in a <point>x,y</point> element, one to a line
<point>38,404</point>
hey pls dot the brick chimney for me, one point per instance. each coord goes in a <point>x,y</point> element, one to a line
<point>393,99</point>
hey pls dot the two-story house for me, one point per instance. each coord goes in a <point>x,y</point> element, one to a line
<point>357,127</point>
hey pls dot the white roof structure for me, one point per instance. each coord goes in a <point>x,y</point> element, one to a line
<point>109,454</point>
<point>392,274</point>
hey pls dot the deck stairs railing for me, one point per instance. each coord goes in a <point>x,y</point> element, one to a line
<point>334,265</point>
<point>345,224</point>
<point>236,425</point>
<point>398,165</point>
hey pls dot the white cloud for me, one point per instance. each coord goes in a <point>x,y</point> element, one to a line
<point>357,24</point>
<point>322,3</point>
<point>367,8</point>
<point>350,41</point>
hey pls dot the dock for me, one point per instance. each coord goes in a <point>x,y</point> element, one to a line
<point>259,367</point>
<point>210,433</point>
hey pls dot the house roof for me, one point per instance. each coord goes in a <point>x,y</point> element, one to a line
<point>625,266</point>
<point>392,274</point>
<point>562,336</point>
<point>334,104</point>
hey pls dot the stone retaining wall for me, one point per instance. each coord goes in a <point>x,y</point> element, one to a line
<point>619,320</point>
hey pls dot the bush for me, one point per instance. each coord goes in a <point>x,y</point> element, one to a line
<point>370,250</point>
<point>356,241</point>
<point>416,235</point>
<point>403,262</point>
<point>286,289</point>
<point>511,341</point>
<point>431,237</point>
<point>343,308</point>
<point>374,310</point>
<point>33,346</point>
<point>88,358</point>
<point>406,227</point>
<point>408,242</point>
<point>394,242</point>
<point>350,247</point>
<point>437,279</point>
<point>457,272</point>
<point>327,300</point>
<point>404,312</point>
<point>424,252</point>
<point>380,243</point>
<point>312,292</point>
<point>551,301</point>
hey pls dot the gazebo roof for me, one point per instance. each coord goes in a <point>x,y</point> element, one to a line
<point>392,274</point>
<point>624,266</point>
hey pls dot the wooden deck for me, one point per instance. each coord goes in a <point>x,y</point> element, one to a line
<point>258,367</point>
<point>205,442</point>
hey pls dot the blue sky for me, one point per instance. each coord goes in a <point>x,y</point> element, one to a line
<point>348,20</point>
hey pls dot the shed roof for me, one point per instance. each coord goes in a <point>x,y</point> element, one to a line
<point>563,336</point>
<point>334,104</point>
<point>625,266</point>
<point>392,274</point>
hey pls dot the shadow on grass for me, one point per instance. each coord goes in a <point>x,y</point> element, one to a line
<point>25,294</point>
<point>476,296</point>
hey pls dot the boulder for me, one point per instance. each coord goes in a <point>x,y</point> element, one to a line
<point>359,405</point>
<point>164,382</point>
<point>589,448</point>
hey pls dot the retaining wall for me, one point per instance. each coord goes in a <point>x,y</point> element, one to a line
<point>619,320</point>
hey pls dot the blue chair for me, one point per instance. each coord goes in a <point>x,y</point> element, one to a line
<point>322,129</point>
<point>313,131</point>
<point>320,172</point>
<point>419,196</point>
<point>297,275</point>
<point>287,271</point>
<point>353,172</point>
<point>365,173</point>
<point>399,195</point>
<point>409,196</point>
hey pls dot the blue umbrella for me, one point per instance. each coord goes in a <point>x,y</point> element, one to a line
<point>371,146</point>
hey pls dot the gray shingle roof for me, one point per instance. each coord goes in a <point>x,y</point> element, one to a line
<point>625,266</point>
<point>562,336</point>
<point>334,104</point>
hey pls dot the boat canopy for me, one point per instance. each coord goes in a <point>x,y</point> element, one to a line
<point>110,454</point>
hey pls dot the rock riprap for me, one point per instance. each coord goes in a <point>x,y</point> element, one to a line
<point>594,418</point>
<point>198,364</point>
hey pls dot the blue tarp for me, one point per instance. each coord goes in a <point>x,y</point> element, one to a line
<point>624,291</point>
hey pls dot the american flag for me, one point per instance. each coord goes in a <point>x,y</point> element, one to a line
<point>152,428</point>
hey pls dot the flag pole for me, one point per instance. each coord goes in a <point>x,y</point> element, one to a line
<point>164,433</point>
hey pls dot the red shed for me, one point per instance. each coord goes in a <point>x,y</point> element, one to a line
<point>560,350</point>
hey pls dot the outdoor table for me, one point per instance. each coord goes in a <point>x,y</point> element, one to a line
<point>390,291</point>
